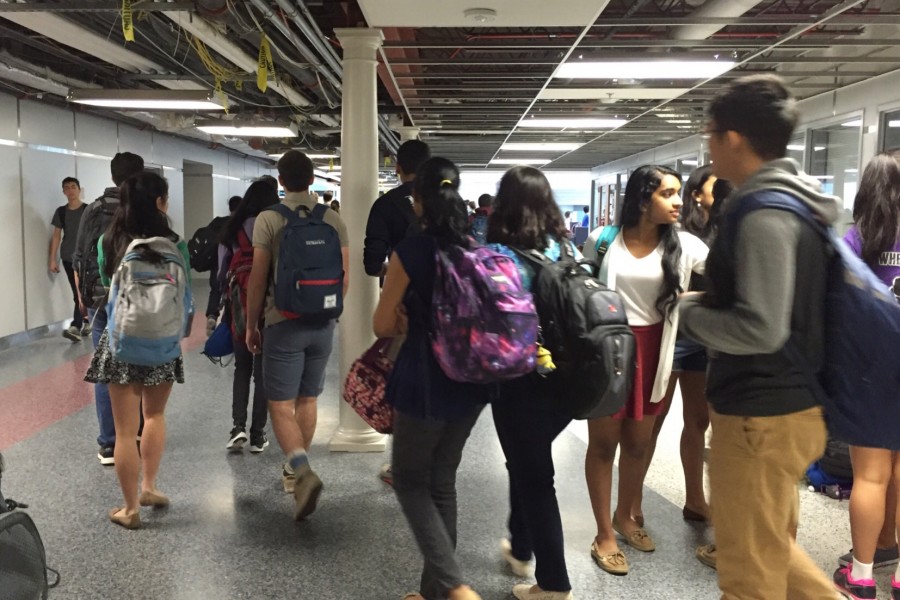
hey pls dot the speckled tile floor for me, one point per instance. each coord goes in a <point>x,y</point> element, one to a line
<point>228,533</point>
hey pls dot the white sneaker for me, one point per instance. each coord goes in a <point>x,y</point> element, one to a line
<point>520,568</point>
<point>236,439</point>
<point>525,591</point>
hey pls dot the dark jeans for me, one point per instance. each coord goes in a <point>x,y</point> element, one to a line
<point>107,435</point>
<point>425,458</point>
<point>77,317</point>
<point>527,425</point>
<point>247,364</point>
<point>215,295</point>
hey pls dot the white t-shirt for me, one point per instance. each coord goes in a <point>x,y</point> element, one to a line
<point>638,281</point>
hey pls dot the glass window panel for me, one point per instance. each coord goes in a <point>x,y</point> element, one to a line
<point>796,148</point>
<point>834,158</point>
<point>890,125</point>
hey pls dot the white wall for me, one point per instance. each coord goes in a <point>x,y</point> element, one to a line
<point>39,146</point>
<point>869,98</point>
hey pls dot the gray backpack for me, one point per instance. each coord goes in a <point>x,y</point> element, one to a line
<point>149,303</point>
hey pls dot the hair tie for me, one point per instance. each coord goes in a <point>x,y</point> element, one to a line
<point>447,181</point>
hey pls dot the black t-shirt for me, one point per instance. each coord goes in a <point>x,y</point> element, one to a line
<point>68,220</point>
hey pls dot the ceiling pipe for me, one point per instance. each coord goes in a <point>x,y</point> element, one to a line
<point>716,9</point>
<point>16,70</point>
<point>333,71</point>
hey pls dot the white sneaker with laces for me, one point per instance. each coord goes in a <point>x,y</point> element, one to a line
<point>520,568</point>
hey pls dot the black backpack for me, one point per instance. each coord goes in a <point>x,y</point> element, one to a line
<point>95,224</point>
<point>23,561</point>
<point>203,247</point>
<point>836,460</point>
<point>583,325</point>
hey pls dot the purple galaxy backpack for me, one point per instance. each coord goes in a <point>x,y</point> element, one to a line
<point>484,323</point>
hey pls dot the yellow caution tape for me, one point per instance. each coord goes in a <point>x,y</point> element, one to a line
<point>127,21</point>
<point>264,65</point>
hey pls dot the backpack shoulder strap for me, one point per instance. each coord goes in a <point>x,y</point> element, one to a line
<point>606,238</point>
<point>318,212</point>
<point>778,201</point>
<point>243,239</point>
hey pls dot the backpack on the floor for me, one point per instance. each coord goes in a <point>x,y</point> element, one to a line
<point>583,325</point>
<point>203,247</point>
<point>238,277</point>
<point>859,382</point>
<point>309,281</point>
<point>149,303</point>
<point>836,460</point>
<point>23,561</point>
<point>96,222</point>
<point>483,322</point>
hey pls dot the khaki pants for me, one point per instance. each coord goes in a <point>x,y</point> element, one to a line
<point>754,466</point>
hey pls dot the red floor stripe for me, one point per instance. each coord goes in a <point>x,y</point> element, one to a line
<point>34,404</point>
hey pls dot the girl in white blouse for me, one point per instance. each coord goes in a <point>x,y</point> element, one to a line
<point>649,262</point>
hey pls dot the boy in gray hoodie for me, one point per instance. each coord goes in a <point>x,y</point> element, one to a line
<point>767,273</point>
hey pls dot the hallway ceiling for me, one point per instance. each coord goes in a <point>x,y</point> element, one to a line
<point>467,80</point>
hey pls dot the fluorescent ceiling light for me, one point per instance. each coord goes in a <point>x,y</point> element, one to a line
<point>796,147</point>
<point>679,121</point>
<point>893,123</point>
<point>644,69</point>
<point>611,94</point>
<point>853,123</point>
<point>520,161</point>
<point>148,99</point>
<point>548,146</point>
<point>572,123</point>
<point>689,162</point>
<point>310,156</point>
<point>247,129</point>
<point>851,170</point>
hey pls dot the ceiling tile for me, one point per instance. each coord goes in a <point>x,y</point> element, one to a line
<point>450,13</point>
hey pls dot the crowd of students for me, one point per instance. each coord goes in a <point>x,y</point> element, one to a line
<point>708,307</point>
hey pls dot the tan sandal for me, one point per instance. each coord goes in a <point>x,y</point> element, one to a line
<point>126,521</point>
<point>154,499</point>
<point>615,563</point>
<point>638,539</point>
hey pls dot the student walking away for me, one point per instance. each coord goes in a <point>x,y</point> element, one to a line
<point>433,414</point>
<point>391,217</point>
<point>526,218</point>
<point>875,238</point>
<point>299,276</point>
<point>65,224</point>
<point>139,354</point>
<point>699,209</point>
<point>586,217</point>
<point>204,251</point>
<point>478,222</point>
<point>95,220</point>
<point>767,424</point>
<point>648,262</point>
<point>235,263</point>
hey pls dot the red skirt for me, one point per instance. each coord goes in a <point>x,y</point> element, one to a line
<point>647,343</point>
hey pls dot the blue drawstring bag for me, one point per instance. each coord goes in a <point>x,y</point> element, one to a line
<point>219,345</point>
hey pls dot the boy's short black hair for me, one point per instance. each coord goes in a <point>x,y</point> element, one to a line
<point>485,200</point>
<point>586,209</point>
<point>760,108</point>
<point>233,203</point>
<point>411,155</point>
<point>327,197</point>
<point>71,180</point>
<point>124,165</point>
<point>296,171</point>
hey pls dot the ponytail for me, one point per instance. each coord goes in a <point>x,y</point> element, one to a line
<point>444,214</point>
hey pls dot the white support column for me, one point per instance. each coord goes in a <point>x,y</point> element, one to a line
<point>359,188</point>
<point>407,133</point>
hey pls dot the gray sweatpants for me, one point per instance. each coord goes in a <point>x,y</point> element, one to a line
<point>425,458</point>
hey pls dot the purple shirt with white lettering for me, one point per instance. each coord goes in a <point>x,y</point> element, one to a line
<point>888,266</point>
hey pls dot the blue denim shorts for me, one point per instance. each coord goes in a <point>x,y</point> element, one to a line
<point>294,359</point>
<point>689,356</point>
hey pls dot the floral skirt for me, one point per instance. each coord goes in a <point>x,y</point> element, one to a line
<point>106,369</point>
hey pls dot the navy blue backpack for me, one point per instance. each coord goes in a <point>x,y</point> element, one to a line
<point>309,282</point>
<point>859,385</point>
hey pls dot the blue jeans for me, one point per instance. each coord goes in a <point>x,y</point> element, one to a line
<point>107,435</point>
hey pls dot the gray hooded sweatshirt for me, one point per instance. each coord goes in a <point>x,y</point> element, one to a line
<point>778,272</point>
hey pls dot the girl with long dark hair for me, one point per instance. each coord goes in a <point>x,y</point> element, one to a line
<point>875,237</point>
<point>526,217</point>
<point>433,414</point>
<point>136,388</point>
<point>237,236</point>
<point>699,213</point>
<point>649,262</point>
